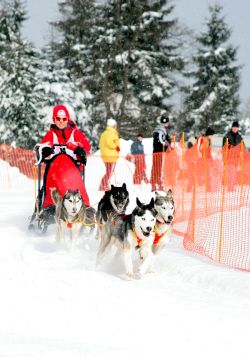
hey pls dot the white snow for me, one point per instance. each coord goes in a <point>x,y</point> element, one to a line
<point>56,303</point>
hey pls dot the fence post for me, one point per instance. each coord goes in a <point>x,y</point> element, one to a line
<point>241,172</point>
<point>224,181</point>
<point>195,187</point>
<point>172,164</point>
<point>205,170</point>
<point>182,172</point>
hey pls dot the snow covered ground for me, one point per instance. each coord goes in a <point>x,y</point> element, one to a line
<point>56,303</point>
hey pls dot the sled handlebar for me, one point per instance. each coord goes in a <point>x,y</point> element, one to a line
<point>40,159</point>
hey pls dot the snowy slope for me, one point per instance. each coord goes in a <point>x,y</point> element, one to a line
<point>55,303</point>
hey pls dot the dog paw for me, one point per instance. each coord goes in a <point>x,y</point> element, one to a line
<point>130,275</point>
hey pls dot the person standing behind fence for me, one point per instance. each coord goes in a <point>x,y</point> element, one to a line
<point>233,136</point>
<point>161,143</point>
<point>137,149</point>
<point>205,163</point>
<point>204,143</point>
<point>109,145</point>
<point>189,161</point>
<point>234,139</point>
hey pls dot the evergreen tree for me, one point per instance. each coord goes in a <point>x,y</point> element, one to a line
<point>213,97</point>
<point>74,51</point>
<point>122,52</point>
<point>135,61</point>
<point>54,86</point>
<point>19,61</point>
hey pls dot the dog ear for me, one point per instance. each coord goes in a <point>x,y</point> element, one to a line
<point>157,194</point>
<point>112,186</point>
<point>169,193</point>
<point>138,202</point>
<point>124,185</point>
<point>151,203</point>
<point>56,197</point>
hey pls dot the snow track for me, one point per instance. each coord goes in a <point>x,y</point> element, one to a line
<point>57,303</point>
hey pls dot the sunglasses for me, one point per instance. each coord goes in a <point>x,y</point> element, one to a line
<point>61,119</point>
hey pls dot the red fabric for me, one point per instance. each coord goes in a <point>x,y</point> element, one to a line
<point>64,175</point>
<point>139,173</point>
<point>72,146</point>
<point>156,173</point>
<point>207,150</point>
<point>63,136</point>
<point>158,237</point>
<point>56,110</point>
<point>105,182</point>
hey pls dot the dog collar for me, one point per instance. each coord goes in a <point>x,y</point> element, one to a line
<point>138,240</point>
<point>69,224</point>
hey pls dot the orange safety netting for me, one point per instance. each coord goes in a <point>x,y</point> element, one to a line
<point>211,190</point>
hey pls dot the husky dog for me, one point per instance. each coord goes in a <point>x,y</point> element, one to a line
<point>133,231</point>
<point>164,205</point>
<point>113,203</point>
<point>70,212</point>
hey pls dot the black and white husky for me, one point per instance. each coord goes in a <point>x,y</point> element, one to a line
<point>133,231</point>
<point>164,205</point>
<point>113,203</point>
<point>70,212</point>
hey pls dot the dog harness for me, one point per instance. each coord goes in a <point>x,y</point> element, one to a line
<point>139,240</point>
<point>70,224</point>
<point>158,237</point>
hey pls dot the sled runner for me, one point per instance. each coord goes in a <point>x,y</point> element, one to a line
<point>61,172</point>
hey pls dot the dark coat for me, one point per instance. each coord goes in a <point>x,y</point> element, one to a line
<point>234,139</point>
<point>137,148</point>
<point>161,139</point>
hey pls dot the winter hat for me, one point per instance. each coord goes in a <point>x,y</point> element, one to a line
<point>235,124</point>
<point>60,111</point>
<point>112,122</point>
<point>164,119</point>
<point>209,131</point>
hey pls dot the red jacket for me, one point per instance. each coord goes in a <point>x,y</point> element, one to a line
<point>63,136</point>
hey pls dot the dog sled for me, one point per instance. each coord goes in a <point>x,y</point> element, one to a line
<point>62,172</point>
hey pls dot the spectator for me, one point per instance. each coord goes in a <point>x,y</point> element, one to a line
<point>161,144</point>
<point>110,147</point>
<point>137,149</point>
<point>189,161</point>
<point>233,136</point>
<point>234,139</point>
<point>205,163</point>
<point>204,143</point>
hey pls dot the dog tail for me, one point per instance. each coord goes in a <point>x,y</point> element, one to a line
<point>56,197</point>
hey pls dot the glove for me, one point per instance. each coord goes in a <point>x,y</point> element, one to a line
<point>79,151</point>
<point>118,149</point>
<point>47,151</point>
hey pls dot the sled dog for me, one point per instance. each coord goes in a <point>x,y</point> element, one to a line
<point>164,206</point>
<point>70,212</point>
<point>129,232</point>
<point>113,203</point>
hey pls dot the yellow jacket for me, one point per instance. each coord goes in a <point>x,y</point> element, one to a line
<point>108,143</point>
